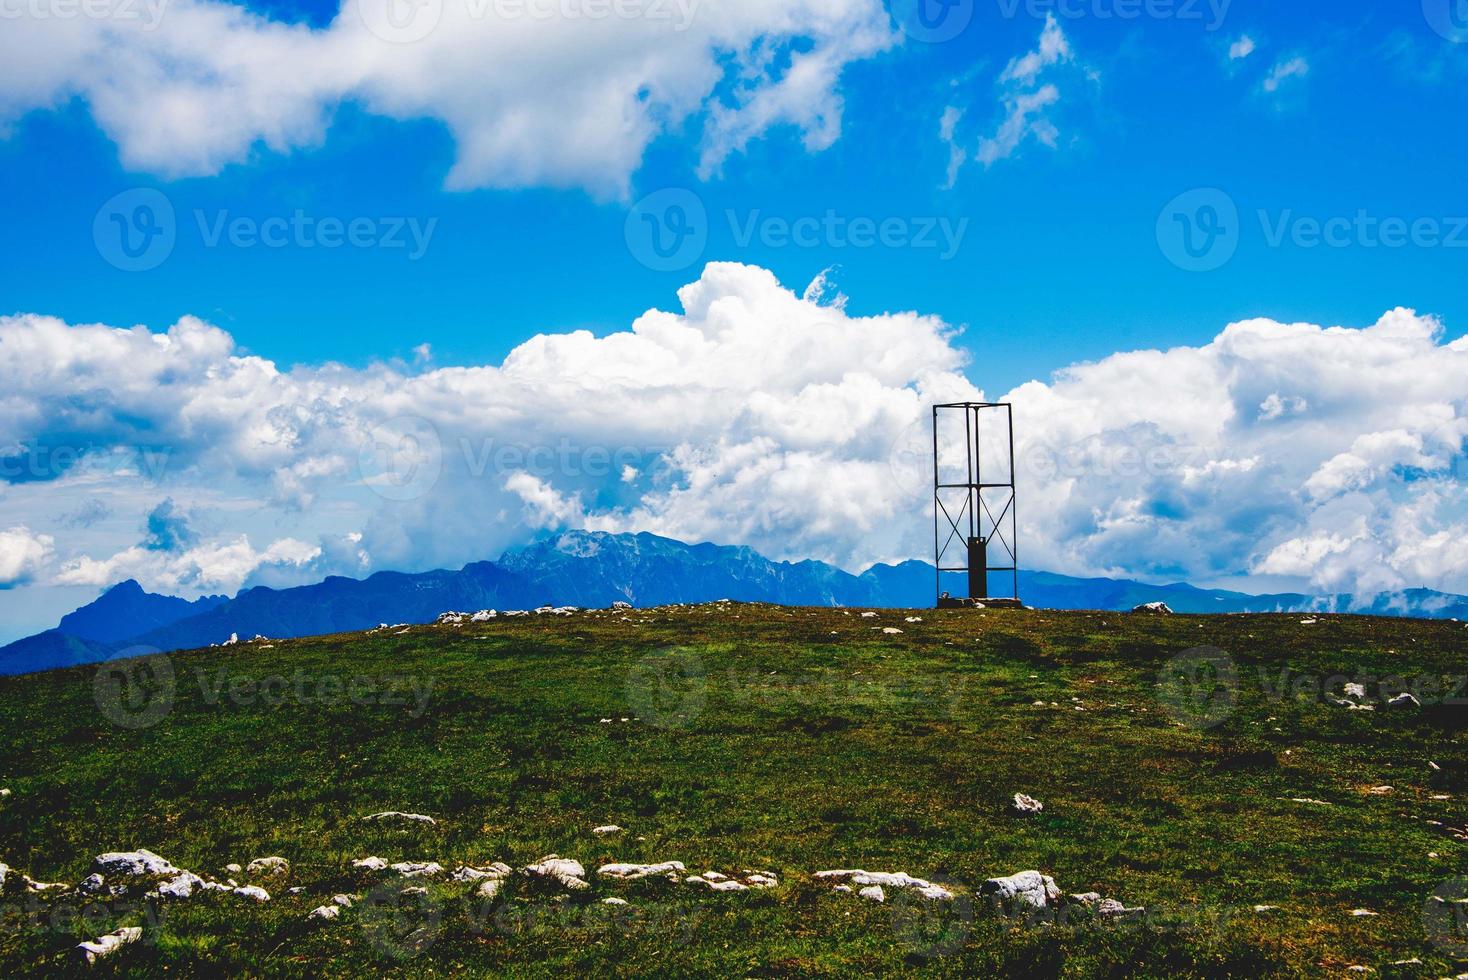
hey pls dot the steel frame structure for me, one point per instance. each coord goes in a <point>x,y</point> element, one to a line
<point>975,523</point>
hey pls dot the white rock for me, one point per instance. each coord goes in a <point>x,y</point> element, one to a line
<point>1026,805</point>
<point>614,901</point>
<point>868,615</point>
<point>873,893</point>
<point>326,913</point>
<point>417,869</point>
<point>181,887</point>
<point>898,879</point>
<point>1261,909</point>
<point>92,884</point>
<point>268,866</point>
<point>717,886</point>
<point>1363,913</point>
<point>497,870</point>
<point>234,869</point>
<point>96,949</point>
<point>370,864</point>
<point>1404,700</point>
<point>570,874</point>
<point>632,872</point>
<point>397,816</point>
<point>253,892</point>
<point>758,880</point>
<point>131,864</point>
<point>1355,690</point>
<point>891,630</point>
<point>610,828</point>
<point>1157,608</point>
<point>489,888</point>
<point>1027,888</point>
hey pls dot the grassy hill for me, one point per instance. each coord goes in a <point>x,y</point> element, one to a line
<point>736,737</point>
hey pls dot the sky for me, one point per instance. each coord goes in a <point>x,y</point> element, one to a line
<point>296,290</point>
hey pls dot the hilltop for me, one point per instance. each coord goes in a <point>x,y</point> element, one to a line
<point>585,568</point>
<point>1196,785</point>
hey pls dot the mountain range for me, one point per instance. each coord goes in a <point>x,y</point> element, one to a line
<point>595,569</point>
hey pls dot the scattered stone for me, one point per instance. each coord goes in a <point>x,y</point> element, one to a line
<point>868,615</point>
<point>1355,690</point>
<point>1380,790</point>
<point>1155,608</point>
<point>570,874</point>
<point>370,864</point>
<point>899,879</point>
<point>92,884</point>
<point>181,887</point>
<point>495,871</point>
<point>913,619</point>
<point>891,630</point>
<point>1027,888</point>
<point>1363,913</point>
<point>253,892</point>
<point>1261,909</point>
<point>633,872</point>
<point>417,869</point>
<point>234,869</point>
<point>1404,700</point>
<point>1026,805</point>
<point>131,864</point>
<point>718,886</point>
<point>489,888</point>
<point>620,605</point>
<point>90,952</point>
<point>614,901</point>
<point>398,816</point>
<point>325,913</point>
<point>873,893</point>
<point>610,828</point>
<point>268,866</point>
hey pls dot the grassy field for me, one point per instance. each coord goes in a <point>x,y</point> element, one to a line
<point>750,737</point>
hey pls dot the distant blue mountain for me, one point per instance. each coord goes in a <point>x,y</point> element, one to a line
<point>592,569</point>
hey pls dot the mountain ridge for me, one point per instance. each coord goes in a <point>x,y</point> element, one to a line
<point>597,568</point>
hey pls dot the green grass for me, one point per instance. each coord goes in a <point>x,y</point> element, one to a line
<point>789,740</point>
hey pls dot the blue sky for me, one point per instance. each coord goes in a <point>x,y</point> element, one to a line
<point>1059,261</point>
<point>1067,204</point>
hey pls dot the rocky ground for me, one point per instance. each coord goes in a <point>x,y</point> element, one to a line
<point>731,789</point>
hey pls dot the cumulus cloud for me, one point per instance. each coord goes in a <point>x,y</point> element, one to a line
<point>1027,99</point>
<point>533,93</point>
<point>222,566</point>
<point>1329,457</point>
<point>1241,48</point>
<point>22,555</point>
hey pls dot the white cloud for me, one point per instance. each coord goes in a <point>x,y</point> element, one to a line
<point>753,414</point>
<point>1026,99</point>
<point>22,555</point>
<point>1296,67</point>
<point>1241,48</point>
<point>222,566</point>
<point>531,100</point>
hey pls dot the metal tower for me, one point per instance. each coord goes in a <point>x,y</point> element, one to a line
<point>974,524</point>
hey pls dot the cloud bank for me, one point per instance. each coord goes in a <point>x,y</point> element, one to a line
<point>1320,457</point>
<point>535,94</point>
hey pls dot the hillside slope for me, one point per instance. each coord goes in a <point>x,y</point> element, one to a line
<point>736,737</point>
